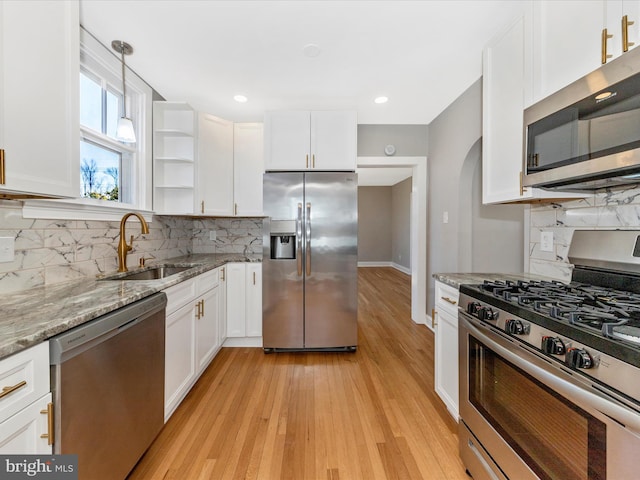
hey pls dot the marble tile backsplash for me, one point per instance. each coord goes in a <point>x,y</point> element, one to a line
<point>608,209</point>
<point>53,251</point>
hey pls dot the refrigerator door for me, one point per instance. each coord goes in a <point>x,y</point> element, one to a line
<point>283,280</point>
<point>331,256</point>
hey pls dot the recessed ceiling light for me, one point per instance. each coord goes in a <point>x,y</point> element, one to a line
<point>240,98</point>
<point>311,50</point>
<point>604,95</point>
<point>381,100</point>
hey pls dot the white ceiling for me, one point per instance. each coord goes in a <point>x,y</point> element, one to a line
<point>420,54</point>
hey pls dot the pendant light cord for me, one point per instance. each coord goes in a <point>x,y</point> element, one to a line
<point>124,88</point>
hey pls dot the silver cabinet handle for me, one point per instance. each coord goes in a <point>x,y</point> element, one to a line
<point>308,239</point>
<point>299,240</point>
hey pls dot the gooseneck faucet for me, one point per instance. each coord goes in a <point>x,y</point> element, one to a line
<point>123,248</point>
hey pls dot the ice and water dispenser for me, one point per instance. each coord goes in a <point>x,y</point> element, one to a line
<point>283,239</point>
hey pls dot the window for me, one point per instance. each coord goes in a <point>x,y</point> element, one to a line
<point>112,172</point>
<point>111,168</point>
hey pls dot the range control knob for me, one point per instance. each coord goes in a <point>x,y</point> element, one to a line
<point>552,345</point>
<point>472,307</point>
<point>578,358</point>
<point>487,313</point>
<point>516,327</point>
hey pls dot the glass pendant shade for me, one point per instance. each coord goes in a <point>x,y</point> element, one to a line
<point>125,132</point>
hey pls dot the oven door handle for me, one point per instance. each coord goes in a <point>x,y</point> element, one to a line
<point>628,418</point>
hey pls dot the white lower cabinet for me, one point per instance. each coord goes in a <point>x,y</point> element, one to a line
<point>192,334</point>
<point>446,346</point>
<point>244,304</point>
<point>25,405</point>
<point>26,432</point>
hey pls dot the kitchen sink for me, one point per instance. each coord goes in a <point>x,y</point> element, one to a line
<point>155,273</point>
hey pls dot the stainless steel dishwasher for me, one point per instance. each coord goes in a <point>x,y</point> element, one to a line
<point>107,378</point>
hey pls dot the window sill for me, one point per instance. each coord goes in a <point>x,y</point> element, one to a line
<point>79,209</point>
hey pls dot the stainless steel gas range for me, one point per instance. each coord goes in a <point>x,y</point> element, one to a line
<point>550,372</point>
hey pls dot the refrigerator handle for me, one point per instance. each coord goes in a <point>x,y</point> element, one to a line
<point>299,240</point>
<point>308,239</point>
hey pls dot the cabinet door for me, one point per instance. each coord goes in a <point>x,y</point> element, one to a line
<point>334,140</point>
<point>503,90</point>
<point>39,97</point>
<point>236,300</point>
<point>22,433</point>
<point>180,369</point>
<point>207,338</point>
<point>254,299</point>
<point>215,166</point>
<point>502,122</point>
<point>567,42</point>
<point>222,313</point>
<point>287,137</point>
<point>446,361</point>
<point>248,167</point>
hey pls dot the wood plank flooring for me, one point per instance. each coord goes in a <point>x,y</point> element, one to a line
<point>372,414</point>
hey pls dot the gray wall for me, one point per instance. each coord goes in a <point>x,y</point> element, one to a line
<point>384,224</point>
<point>409,140</point>
<point>401,223</point>
<point>374,224</point>
<point>475,238</point>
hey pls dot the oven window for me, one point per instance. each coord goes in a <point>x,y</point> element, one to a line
<point>554,437</point>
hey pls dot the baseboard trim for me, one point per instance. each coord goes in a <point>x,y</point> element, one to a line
<point>401,268</point>
<point>243,342</point>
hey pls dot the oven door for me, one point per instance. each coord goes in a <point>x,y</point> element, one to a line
<point>524,417</point>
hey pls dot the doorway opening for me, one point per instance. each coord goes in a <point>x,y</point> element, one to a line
<point>417,167</point>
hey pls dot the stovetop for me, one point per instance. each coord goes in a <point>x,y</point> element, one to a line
<point>604,318</point>
<point>613,313</point>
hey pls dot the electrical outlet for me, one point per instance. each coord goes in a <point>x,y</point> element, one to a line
<point>7,249</point>
<point>212,235</point>
<point>546,241</point>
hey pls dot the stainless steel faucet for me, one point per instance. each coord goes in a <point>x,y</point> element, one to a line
<point>123,248</point>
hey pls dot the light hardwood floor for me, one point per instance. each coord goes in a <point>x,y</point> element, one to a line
<point>366,415</point>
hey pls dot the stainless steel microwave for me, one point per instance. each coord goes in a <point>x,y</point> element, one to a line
<point>587,135</point>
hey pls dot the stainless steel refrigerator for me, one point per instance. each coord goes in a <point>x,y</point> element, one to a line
<point>310,255</point>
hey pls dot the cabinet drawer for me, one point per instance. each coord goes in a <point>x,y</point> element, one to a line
<point>180,295</point>
<point>446,298</point>
<point>24,377</point>
<point>207,281</point>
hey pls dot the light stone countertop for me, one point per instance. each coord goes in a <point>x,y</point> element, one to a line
<point>457,279</point>
<point>35,315</point>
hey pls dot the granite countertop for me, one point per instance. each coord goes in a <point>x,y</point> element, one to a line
<point>457,279</point>
<point>35,315</point>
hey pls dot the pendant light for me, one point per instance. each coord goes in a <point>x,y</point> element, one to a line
<point>124,131</point>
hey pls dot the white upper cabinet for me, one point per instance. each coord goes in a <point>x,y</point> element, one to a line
<point>215,166</point>
<point>248,166</point>
<point>504,88</point>
<point>310,140</point>
<point>569,41</point>
<point>39,98</point>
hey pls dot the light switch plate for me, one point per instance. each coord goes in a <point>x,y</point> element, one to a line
<point>445,217</point>
<point>546,241</point>
<point>212,235</point>
<point>7,249</point>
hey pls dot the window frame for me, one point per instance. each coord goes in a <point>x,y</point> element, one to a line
<point>99,61</point>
